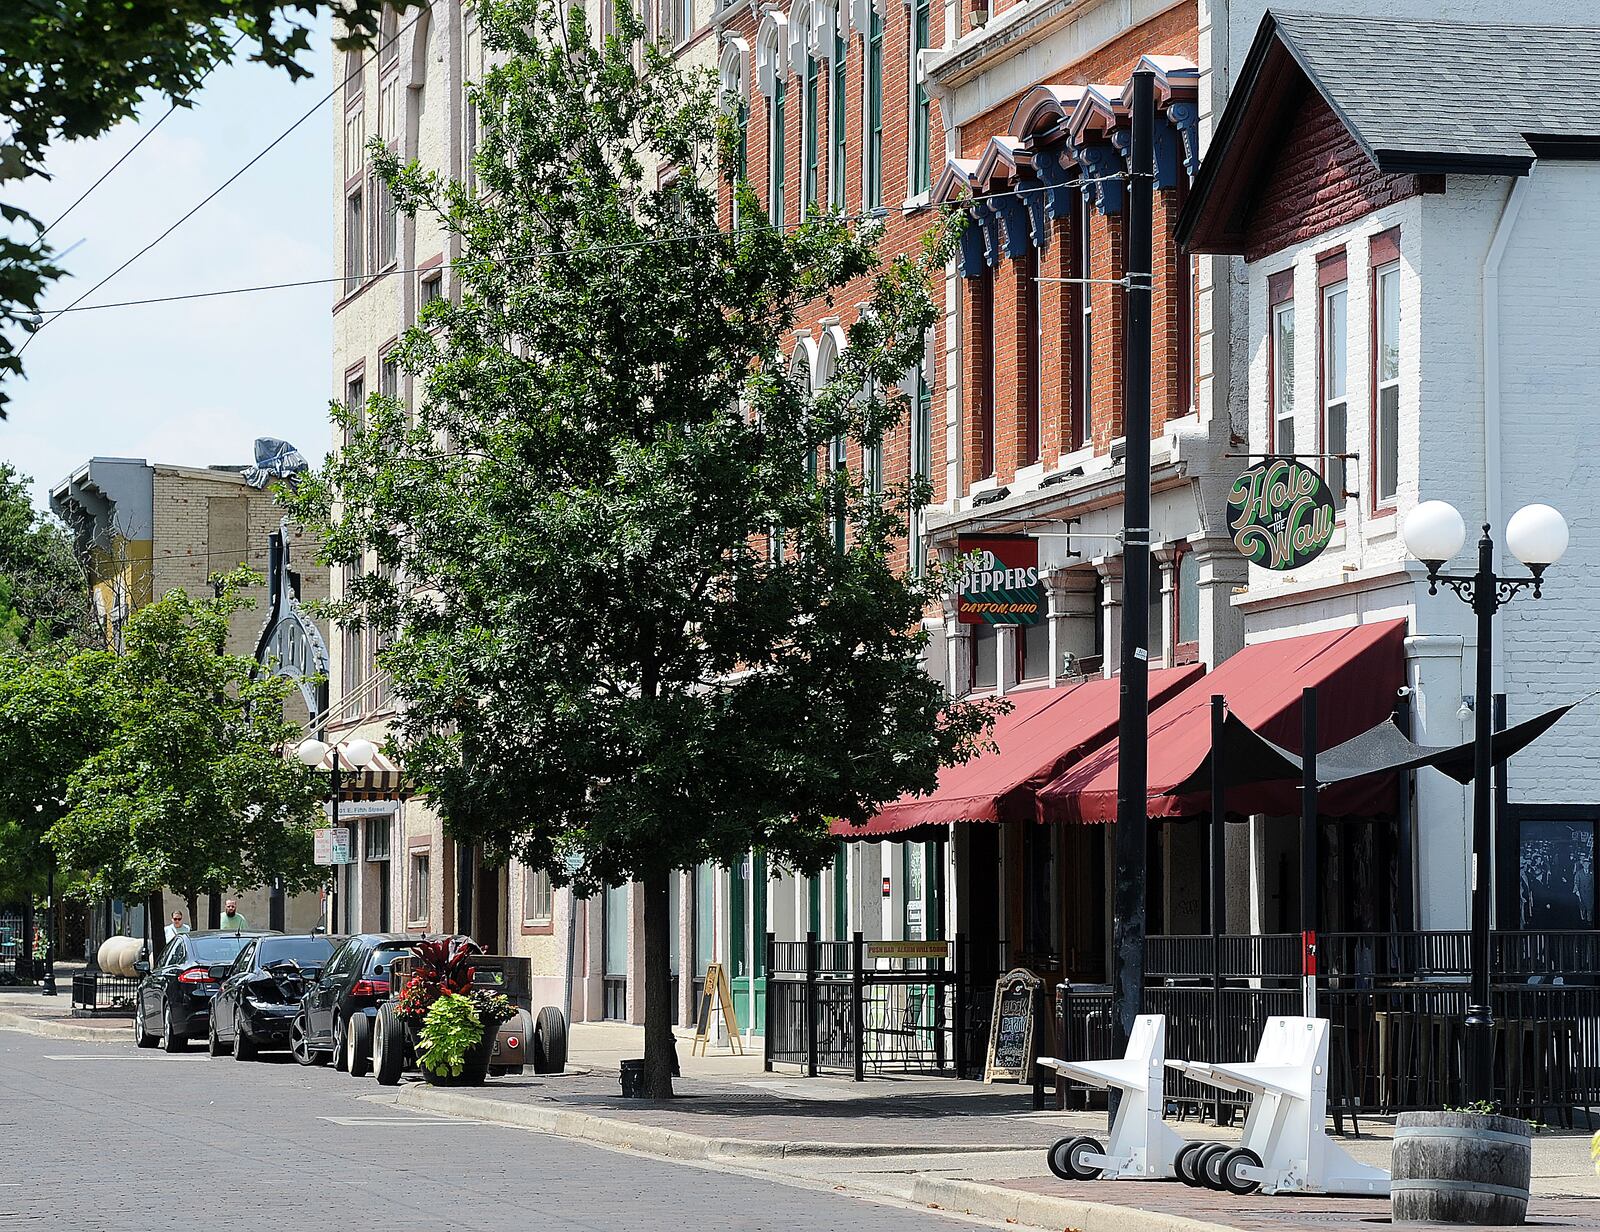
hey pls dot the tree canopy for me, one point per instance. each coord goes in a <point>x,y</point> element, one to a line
<point>44,594</point>
<point>72,69</point>
<point>602,550</point>
<point>189,787</point>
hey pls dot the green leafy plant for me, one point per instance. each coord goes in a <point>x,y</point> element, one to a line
<point>450,1031</point>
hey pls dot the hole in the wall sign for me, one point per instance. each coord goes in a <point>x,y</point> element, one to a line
<point>1281,513</point>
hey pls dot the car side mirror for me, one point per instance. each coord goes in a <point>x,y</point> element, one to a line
<point>142,967</point>
<point>218,971</point>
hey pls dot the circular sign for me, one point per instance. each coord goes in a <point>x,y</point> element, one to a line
<point>1281,513</point>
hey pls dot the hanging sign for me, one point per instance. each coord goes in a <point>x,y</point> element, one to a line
<point>1281,513</point>
<point>1002,586</point>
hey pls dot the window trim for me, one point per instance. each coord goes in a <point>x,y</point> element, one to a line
<point>810,135</point>
<point>777,154</point>
<point>838,121</point>
<point>1030,441</point>
<point>537,926</point>
<point>418,847</point>
<point>984,421</point>
<point>872,40</point>
<point>1280,298</point>
<point>1383,257</point>
<point>1332,279</point>
<point>919,108</point>
<point>1081,263</point>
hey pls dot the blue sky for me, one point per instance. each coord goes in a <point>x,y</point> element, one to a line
<point>191,382</point>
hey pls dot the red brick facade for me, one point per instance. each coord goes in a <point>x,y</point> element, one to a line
<point>1320,180</point>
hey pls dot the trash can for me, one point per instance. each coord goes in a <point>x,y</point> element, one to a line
<point>633,1079</point>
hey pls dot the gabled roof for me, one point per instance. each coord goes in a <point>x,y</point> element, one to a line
<point>1418,97</point>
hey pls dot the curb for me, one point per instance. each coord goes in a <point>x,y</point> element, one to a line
<point>967,1197</point>
<point>10,1021</point>
<point>654,1140</point>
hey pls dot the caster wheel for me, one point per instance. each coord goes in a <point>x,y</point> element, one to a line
<point>1228,1170</point>
<point>1183,1162</point>
<point>1066,1159</point>
<point>1207,1165</point>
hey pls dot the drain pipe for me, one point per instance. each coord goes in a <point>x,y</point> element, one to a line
<point>1491,369</point>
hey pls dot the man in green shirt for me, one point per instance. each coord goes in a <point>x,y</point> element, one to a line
<point>231,920</point>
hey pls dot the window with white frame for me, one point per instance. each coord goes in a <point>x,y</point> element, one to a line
<point>376,831</point>
<point>775,151</point>
<point>1333,367</point>
<point>1280,376</point>
<point>388,225</point>
<point>921,105</point>
<point>418,890</point>
<point>538,897</point>
<point>1386,369</point>
<point>355,142</point>
<point>838,85</point>
<point>809,135</point>
<point>872,126</point>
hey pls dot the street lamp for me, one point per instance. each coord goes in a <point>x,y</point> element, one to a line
<point>1537,536</point>
<point>357,753</point>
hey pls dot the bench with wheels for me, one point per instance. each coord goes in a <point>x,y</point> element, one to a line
<point>1142,1146</point>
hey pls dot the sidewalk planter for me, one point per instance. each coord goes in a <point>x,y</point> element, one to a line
<point>473,1072</point>
<point>1460,1167</point>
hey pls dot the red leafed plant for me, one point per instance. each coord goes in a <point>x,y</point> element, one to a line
<point>442,967</point>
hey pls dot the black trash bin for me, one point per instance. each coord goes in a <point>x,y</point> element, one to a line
<point>633,1079</point>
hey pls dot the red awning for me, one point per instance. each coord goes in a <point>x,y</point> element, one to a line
<point>1045,731</point>
<point>1356,673</point>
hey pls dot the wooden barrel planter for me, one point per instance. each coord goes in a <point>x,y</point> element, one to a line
<point>1460,1167</point>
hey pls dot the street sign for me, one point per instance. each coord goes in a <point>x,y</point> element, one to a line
<point>332,846</point>
<point>906,949</point>
<point>360,808</point>
<point>1282,514</point>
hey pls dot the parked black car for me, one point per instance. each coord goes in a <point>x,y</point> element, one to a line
<point>335,1018</point>
<point>262,991</point>
<point>175,993</point>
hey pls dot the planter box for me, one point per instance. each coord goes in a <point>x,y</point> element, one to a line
<point>1460,1167</point>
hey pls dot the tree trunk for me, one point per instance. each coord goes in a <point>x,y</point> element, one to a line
<point>658,1041</point>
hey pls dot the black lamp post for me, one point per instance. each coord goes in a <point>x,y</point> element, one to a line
<point>1537,536</point>
<point>357,754</point>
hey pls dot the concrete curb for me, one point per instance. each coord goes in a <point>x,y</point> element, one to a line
<point>10,1021</point>
<point>967,1197</point>
<point>654,1140</point>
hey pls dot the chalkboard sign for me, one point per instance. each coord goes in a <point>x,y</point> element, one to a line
<point>1016,996</point>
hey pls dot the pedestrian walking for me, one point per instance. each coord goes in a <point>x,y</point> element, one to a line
<point>177,926</point>
<point>231,920</point>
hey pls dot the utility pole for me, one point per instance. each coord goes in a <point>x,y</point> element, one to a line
<point>1133,725</point>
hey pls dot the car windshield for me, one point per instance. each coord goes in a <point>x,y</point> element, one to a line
<point>216,949</point>
<point>307,951</point>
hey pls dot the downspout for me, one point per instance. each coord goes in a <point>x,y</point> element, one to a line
<point>1491,367</point>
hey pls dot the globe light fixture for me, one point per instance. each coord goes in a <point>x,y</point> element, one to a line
<point>1434,532</point>
<point>311,752</point>
<point>1537,536</point>
<point>357,753</point>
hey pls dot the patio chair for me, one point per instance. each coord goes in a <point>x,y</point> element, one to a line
<point>1286,1147</point>
<point>1142,1146</point>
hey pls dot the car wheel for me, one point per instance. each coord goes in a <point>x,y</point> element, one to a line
<point>388,1047</point>
<point>244,1048</point>
<point>338,1044</point>
<point>550,1041</point>
<point>141,1037</point>
<point>358,1046</point>
<point>171,1040</point>
<point>300,1046</point>
<point>214,1047</point>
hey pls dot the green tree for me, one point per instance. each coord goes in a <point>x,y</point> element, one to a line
<point>190,788</point>
<point>605,651</point>
<point>44,595</point>
<point>71,69</point>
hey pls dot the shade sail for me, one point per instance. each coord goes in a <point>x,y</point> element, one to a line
<point>1045,731</point>
<point>1248,757</point>
<point>1356,673</point>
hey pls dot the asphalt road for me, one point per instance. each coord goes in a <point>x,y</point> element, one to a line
<point>106,1136</point>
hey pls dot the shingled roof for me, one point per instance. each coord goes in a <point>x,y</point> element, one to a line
<point>1419,97</point>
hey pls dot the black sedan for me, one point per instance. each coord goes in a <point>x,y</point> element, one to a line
<point>261,993</point>
<point>175,994</point>
<point>335,1018</point>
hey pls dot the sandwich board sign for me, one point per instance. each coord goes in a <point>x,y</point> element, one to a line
<point>716,990</point>
<point>1011,1041</point>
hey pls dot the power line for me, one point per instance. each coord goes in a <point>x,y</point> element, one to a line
<point>874,213</point>
<point>273,144</point>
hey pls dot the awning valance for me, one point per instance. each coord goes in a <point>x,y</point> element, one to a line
<point>1045,731</point>
<point>1356,672</point>
<point>381,779</point>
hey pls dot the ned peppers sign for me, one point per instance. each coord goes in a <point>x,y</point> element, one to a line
<point>1001,584</point>
<point>1281,513</point>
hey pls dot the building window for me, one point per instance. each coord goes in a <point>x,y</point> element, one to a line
<point>839,67</point>
<point>355,402</point>
<point>538,897</point>
<point>775,159</point>
<point>355,147</point>
<point>921,105</point>
<point>984,310</point>
<point>836,463</point>
<point>873,196</point>
<point>1186,599</point>
<point>921,466</point>
<point>389,376</point>
<point>355,241</point>
<point>1030,324</point>
<point>1386,375</point>
<point>1280,374</point>
<point>353,73</point>
<point>1032,650</point>
<point>1333,370</point>
<point>377,837</point>
<point>389,110</point>
<point>1083,351</point>
<point>431,287</point>
<point>418,893</point>
<point>808,187</point>
<point>388,226</point>
<point>353,667</point>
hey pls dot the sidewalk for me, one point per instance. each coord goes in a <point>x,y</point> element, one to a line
<point>28,1009</point>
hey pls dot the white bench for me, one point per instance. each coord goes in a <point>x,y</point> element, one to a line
<point>1286,1147</point>
<point>1142,1147</point>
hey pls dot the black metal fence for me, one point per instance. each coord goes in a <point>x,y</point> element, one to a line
<point>16,952</point>
<point>838,1005</point>
<point>1395,1002</point>
<point>96,994</point>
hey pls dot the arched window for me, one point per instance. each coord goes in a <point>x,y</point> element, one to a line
<point>772,76</point>
<point>736,101</point>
